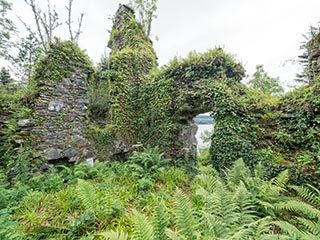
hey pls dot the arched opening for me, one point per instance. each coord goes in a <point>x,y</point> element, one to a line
<point>205,124</point>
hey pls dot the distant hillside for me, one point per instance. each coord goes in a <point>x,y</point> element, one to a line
<point>203,119</point>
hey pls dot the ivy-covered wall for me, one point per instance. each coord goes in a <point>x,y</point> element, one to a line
<point>49,117</point>
<point>73,113</point>
<point>151,106</point>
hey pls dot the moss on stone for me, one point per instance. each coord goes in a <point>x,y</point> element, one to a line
<point>63,58</point>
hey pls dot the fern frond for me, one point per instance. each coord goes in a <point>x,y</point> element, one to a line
<point>261,227</point>
<point>212,226</point>
<point>219,203</point>
<point>114,235</point>
<point>160,223</point>
<point>288,228</point>
<point>245,206</point>
<point>312,226</point>
<point>174,235</point>
<point>106,203</point>
<point>281,180</point>
<point>310,194</point>
<point>253,230</point>
<point>299,207</point>
<point>259,171</point>
<point>265,205</point>
<point>208,182</point>
<point>239,172</point>
<point>87,194</point>
<point>309,236</point>
<point>142,228</point>
<point>184,216</point>
<point>275,237</point>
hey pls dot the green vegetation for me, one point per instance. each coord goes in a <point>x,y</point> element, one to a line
<point>62,58</point>
<point>132,201</point>
<point>258,180</point>
<point>146,10</point>
<point>7,28</point>
<point>261,81</point>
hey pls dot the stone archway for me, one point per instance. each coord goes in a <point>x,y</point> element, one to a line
<point>158,109</point>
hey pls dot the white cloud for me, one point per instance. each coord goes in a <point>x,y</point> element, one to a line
<point>256,31</point>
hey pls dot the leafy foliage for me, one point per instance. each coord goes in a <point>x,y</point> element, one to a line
<point>106,202</point>
<point>261,81</point>
<point>62,59</point>
<point>5,77</point>
<point>142,228</point>
<point>144,196</point>
<point>28,52</point>
<point>150,160</point>
<point>234,135</point>
<point>147,12</point>
<point>7,28</point>
<point>309,56</point>
<point>213,64</point>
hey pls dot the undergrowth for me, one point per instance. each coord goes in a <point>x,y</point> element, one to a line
<point>145,198</point>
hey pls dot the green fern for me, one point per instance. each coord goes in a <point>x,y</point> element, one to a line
<point>142,228</point>
<point>97,202</point>
<point>260,228</point>
<point>282,180</point>
<point>299,207</point>
<point>238,173</point>
<point>308,193</point>
<point>212,225</point>
<point>184,216</point>
<point>289,228</point>
<point>245,206</point>
<point>87,194</point>
<point>294,232</point>
<point>312,226</point>
<point>114,235</point>
<point>160,222</point>
<point>207,179</point>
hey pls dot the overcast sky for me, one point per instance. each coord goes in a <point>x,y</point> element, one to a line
<point>267,32</point>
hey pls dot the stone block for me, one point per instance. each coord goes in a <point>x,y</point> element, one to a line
<point>70,152</point>
<point>26,122</point>
<point>55,106</point>
<point>52,154</point>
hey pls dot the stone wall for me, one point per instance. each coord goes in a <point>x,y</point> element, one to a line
<point>187,136</point>
<point>59,132</point>
<point>4,116</point>
<point>123,15</point>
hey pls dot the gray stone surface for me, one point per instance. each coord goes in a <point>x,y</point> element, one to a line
<point>123,14</point>
<point>52,154</point>
<point>187,137</point>
<point>70,152</point>
<point>61,111</point>
<point>56,106</point>
<point>26,122</point>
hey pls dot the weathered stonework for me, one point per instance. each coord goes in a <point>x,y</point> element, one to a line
<point>123,15</point>
<point>60,131</point>
<point>187,136</point>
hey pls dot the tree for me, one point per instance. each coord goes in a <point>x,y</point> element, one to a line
<point>5,78</point>
<point>48,21</point>
<point>74,36</point>
<point>28,51</point>
<point>264,83</point>
<point>7,27</point>
<point>146,10</point>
